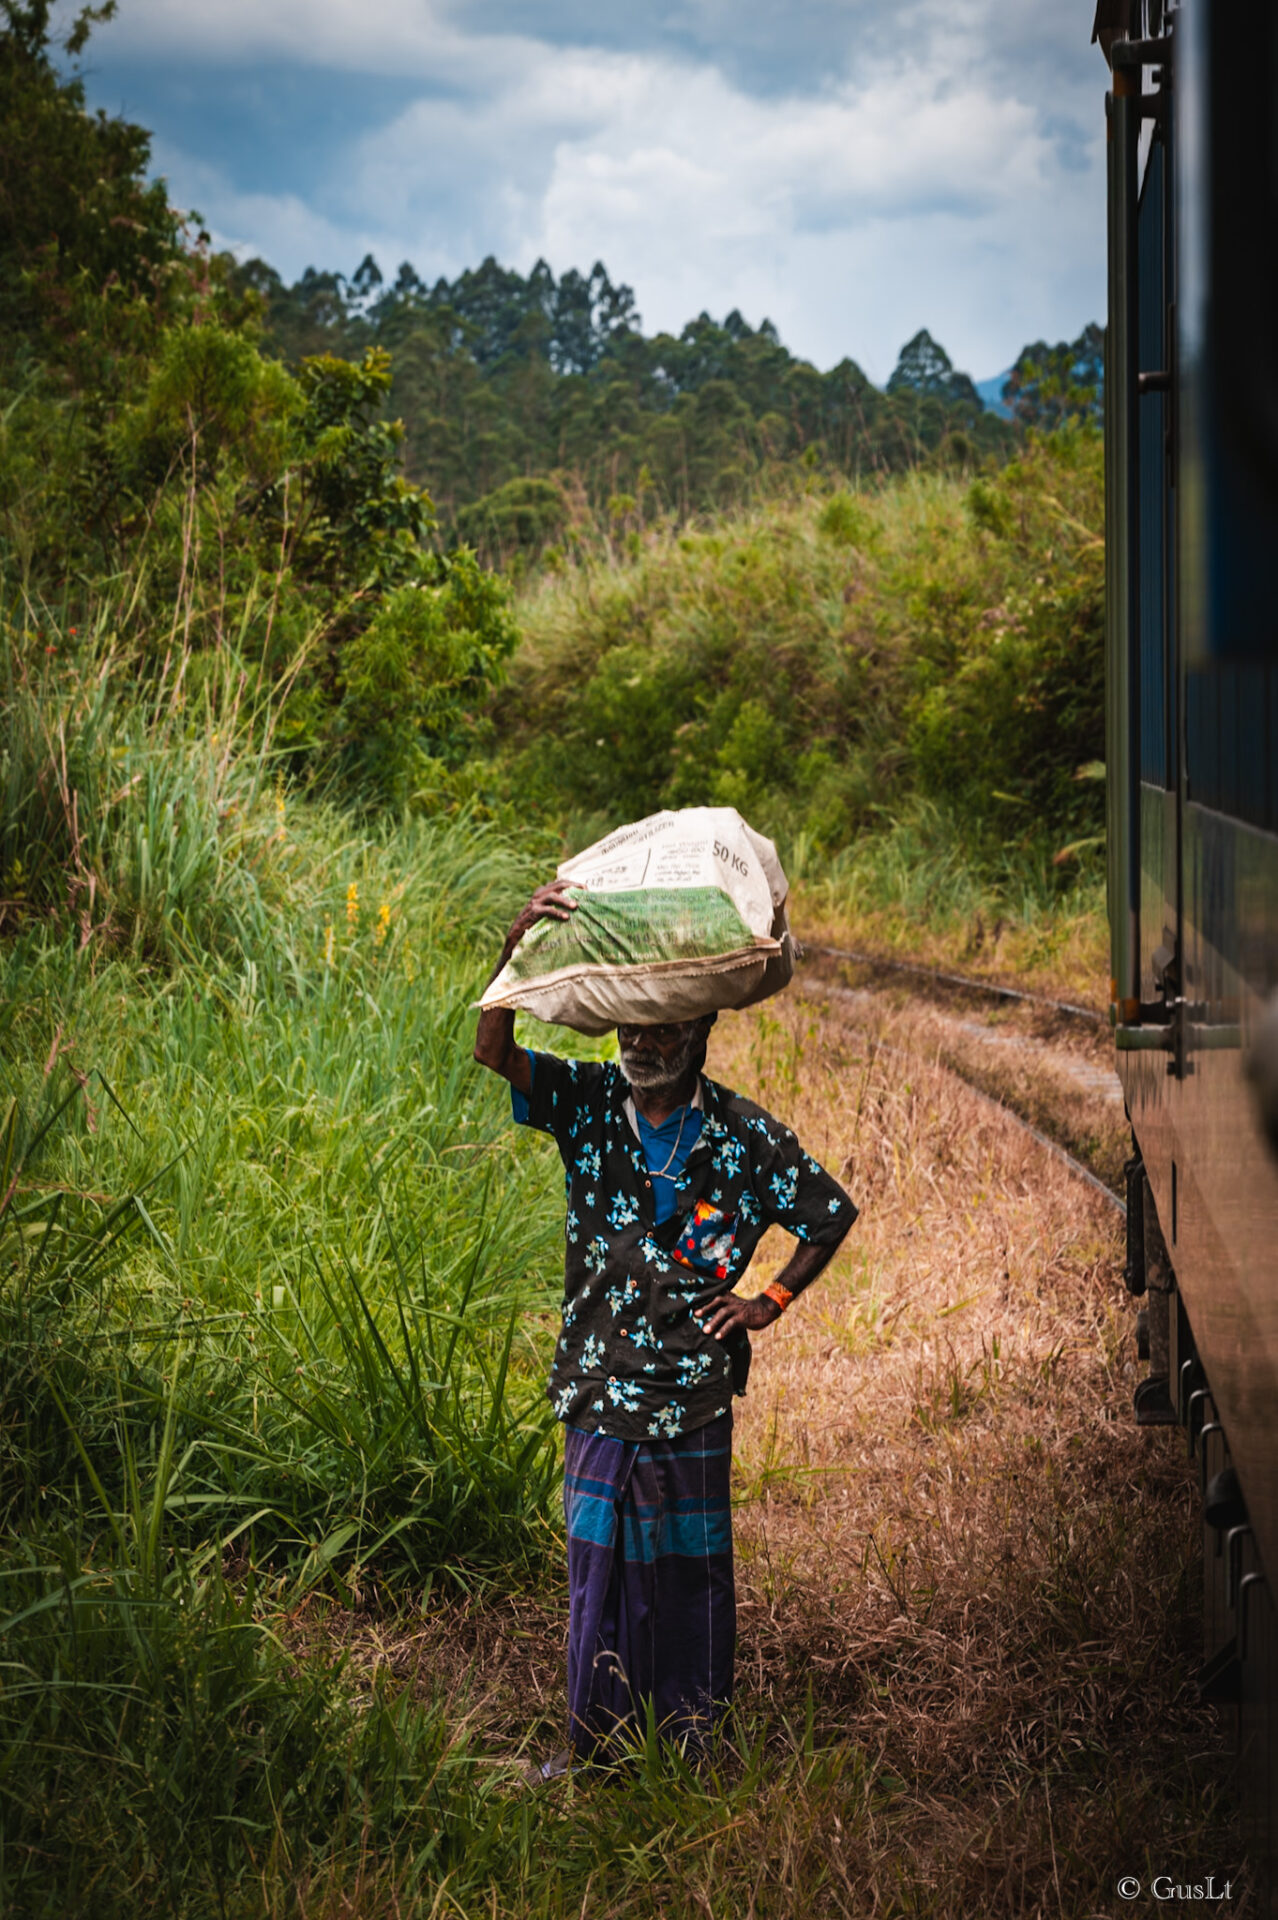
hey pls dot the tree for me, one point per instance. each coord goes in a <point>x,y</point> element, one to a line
<point>502,378</point>
<point>91,248</point>
<point>1049,386</point>
<point>522,517</point>
<point>925,367</point>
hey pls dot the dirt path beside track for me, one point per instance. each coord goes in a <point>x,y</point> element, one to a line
<point>950,1524</point>
<point>1054,1070</point>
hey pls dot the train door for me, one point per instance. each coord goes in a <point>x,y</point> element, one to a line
<point>1158,728</point>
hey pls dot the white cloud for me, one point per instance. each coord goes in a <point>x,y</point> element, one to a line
<point>820,212</point>
<point>958,186</point>
<point>277,227</point>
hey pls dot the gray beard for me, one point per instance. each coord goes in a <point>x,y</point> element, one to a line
<point>650,1073</point>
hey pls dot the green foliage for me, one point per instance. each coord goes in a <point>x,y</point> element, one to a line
<point>263,1236</point>
<point>90,246</point>
<point>517,521</point>
<point>299,475</point>
<point>137,823</point>
<point>362,525</point>
<point>822,664</point>
<point>1013,726</point>
<point>238,505</point>
<point>519,393</point>
<point>1052,386</point>
<point>233,503</point>
<point>164,1742</point>
<point>844,520</point>
<point>209,399</point>
<point>161,1737</point>
<point>268,1010</point>
<point>416,673</point>
<point>266,1252</point>
<point>924,367</point>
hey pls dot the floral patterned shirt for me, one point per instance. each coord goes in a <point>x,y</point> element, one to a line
<point>632,1361</point>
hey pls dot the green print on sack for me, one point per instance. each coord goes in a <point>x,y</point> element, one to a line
<point>632,930</point>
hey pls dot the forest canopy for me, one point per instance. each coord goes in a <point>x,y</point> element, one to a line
<point>528,400</point>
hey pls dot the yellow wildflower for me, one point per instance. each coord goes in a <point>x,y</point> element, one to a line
<point>352,905</point>
<point>383,923</point>
<point>328,943</point>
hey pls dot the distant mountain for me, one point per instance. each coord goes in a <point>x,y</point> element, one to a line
<point>991,392</point>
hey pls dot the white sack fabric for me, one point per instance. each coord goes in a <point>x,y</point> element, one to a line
<point>678,915</point>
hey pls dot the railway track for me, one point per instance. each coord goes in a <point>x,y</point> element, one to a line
<point>990,991</point>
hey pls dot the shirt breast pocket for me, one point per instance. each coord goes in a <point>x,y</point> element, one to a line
<point>706,1239</point>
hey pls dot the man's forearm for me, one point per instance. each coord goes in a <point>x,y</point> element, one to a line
<point>495,1040</point>
<point>730,1311</point>
<point>803,1266</point>
<point>495,1048</point>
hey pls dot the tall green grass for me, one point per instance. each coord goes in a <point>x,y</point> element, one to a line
<point>275,1287</point>
<point>166,1753</point>
<point>912,887</point>
<point>266,1022</point>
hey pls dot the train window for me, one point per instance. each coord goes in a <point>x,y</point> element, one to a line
<point>1153,292</point>
<point>1227,190</point>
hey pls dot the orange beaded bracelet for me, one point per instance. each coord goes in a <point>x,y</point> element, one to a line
<point>775,1291</point>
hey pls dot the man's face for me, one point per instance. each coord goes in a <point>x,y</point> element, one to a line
<point>654,1057</point>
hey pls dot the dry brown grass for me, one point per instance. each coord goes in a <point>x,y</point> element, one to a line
<point>950,1524</point>
<point>1055,1071</point>
<point>1064,953</point>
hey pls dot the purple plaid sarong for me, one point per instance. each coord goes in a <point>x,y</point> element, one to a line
<point>652,1609</point>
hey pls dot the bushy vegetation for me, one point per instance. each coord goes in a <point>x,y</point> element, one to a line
<point>270,1288</point>
<point>272,1284</point>
<point>537,411</point>
<point>929,649</point>
<point>920,648</point>
<point>161,473</point>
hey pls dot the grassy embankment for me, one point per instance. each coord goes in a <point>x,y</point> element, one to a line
<point>903,685</point>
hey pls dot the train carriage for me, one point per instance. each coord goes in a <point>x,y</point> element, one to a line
<point>1191,423</point>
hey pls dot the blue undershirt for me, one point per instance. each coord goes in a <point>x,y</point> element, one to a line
<point>659,1145</point>
<point>666,1146</point>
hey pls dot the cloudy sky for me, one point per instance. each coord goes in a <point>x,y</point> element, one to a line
<point>853,169</point>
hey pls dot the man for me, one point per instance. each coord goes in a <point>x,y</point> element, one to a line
<point>671,1182</point>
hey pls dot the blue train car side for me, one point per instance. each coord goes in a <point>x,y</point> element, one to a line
<point>1191,421</point>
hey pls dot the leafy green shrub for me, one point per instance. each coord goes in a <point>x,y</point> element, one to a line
<point>209,396</point>
<point>415,675</point>
<point>517,520</point>
<point>1011,727</point>
<point>844,520</point>
<point>823,663</point>
<point>989,507</point>
<point>235,506</point>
